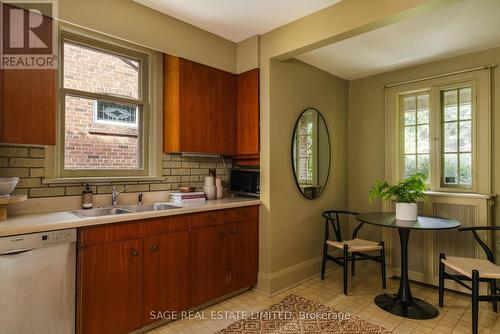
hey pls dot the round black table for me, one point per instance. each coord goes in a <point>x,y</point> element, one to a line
<point>403,303</point>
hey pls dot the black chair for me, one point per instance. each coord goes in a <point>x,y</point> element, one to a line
<point>352,250</point>
<point>472,270</point>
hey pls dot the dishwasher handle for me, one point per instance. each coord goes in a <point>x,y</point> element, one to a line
<point>16,251</point>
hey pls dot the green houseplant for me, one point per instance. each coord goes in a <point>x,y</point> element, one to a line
<point>405,194</point>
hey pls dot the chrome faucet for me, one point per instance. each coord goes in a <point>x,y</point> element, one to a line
<point>115,194</point>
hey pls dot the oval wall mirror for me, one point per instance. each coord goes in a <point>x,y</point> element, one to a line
<point>311,153</point>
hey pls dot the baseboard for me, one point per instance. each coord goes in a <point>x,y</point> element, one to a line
<point>271,284</point>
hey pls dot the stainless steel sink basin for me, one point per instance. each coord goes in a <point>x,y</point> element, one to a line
<point>100,212</point>
<point>150,207</point>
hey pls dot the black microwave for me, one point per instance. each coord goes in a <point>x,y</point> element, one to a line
<point>245,182</point>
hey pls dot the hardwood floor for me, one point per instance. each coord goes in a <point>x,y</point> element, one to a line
<point>453,318</point>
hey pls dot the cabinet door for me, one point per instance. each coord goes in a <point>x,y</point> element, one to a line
<point>194,106</point>
<point>165,274</point>
<point>223,112</point>
<point>248,113</point>
<point>241,255</point>
<point>109,284</point>
<point>207,268</point>
<point>28,106</point>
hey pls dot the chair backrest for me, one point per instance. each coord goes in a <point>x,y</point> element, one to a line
<point>333,217</point>
<point>474,229</point>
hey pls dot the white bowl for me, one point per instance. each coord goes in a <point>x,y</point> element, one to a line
<point>7,185</point>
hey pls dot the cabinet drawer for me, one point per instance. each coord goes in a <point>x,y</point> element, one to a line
<point>164,225</point>
<point>242,214</point>
<point>205,219</point>
<point>99,235</point>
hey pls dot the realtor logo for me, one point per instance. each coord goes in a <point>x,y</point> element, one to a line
<point>29,34</point>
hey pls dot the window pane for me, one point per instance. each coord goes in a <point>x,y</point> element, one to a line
<point>466,103</point>
<point>450,169</point>
<point>450,105</point>
<point>93,145</point>
<point>423,109</point>
<point>423,165</point>
<point>410,139</point>
<point>95,71</point>
<point>465,136</point>
<point>450,137</point>
<point>410,103</point>
<point>410,118</point>
<point>465,169</point>
<point>410,165</point>
<point>423,138</point>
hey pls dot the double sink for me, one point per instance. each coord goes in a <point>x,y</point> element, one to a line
<point>98,212</point>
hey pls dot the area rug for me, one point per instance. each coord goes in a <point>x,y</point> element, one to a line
<point>296,314</point>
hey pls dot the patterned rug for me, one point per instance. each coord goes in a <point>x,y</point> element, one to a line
<point>296,314</point>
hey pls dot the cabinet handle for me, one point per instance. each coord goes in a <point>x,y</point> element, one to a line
<point>235,231</point>
<point>133,252</point>
<point>222,234</point>
<point>211,218</point>
<point>229,275</point>
<point>153,248</point>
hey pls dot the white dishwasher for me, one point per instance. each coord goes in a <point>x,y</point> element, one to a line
<point>37,283</point>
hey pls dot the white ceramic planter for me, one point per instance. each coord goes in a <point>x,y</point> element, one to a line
<point>406,211</point>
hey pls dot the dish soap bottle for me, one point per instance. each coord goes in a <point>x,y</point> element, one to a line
<point>87,197</point>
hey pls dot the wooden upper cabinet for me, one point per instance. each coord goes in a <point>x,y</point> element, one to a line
<point>247,113</point>
<point>28,106</point>
<point>199,108</point>
<point>223,112</point>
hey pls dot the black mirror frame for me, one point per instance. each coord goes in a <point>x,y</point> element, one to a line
<point>292,153</point>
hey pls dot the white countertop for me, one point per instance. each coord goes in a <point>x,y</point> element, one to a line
<point>49,221</point>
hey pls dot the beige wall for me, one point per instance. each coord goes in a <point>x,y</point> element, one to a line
<point>366,125</point>
<point>247,54</point>
<point>135,23</point>
<point>278,267</point>
<point>296,225</point>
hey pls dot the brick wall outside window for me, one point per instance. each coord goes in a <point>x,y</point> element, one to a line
<point>89,144</point>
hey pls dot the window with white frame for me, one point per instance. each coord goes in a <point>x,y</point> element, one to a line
<point>453,123</point>
<point>441,127</point>
<point>104,104</point>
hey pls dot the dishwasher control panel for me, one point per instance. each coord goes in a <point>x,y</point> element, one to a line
<point>36,240</point>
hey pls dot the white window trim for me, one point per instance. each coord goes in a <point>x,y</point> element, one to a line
<point>153,163</point>
<point>481,129</point>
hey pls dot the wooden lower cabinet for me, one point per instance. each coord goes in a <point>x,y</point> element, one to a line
<point>109,294</point>
<point>207,268</point>
<point>128,272</point>
<point>165,274</point>
<point>241,255</point>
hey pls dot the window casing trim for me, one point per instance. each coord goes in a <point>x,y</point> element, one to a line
<point>149,100</point>
<point>481,129</point>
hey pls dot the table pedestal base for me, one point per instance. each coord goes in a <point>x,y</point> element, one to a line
<point>414,309</point>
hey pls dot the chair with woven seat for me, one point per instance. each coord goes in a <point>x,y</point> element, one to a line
<point>352,250</point>
<point>472,270</point>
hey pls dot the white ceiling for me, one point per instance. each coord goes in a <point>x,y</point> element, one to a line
<point>456,29</point>
<point>237,20</point>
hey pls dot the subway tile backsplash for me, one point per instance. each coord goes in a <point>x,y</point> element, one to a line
<point>28,163</point>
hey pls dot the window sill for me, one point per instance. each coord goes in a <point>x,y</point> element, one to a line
<point>64,180</point>
<point>460,195</point>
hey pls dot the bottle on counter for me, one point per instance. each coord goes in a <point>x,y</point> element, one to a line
<point>218,187</point>
<point>87,197</point>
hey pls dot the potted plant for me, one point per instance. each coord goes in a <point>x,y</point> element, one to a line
<point>405,194</point>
